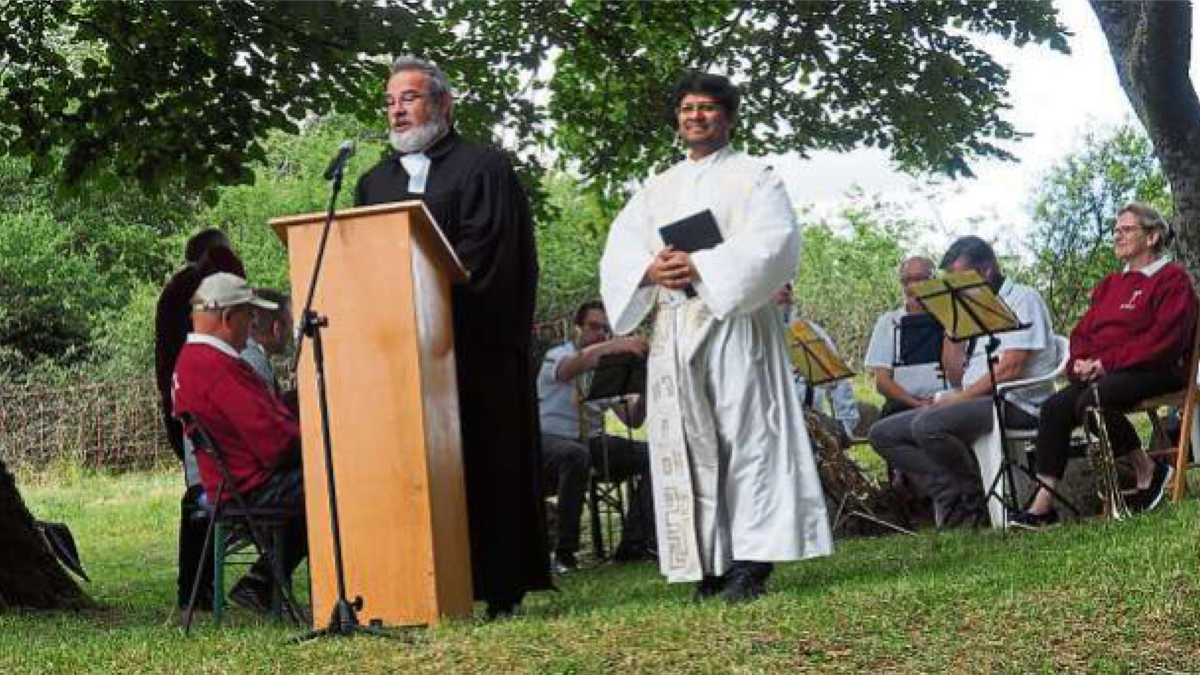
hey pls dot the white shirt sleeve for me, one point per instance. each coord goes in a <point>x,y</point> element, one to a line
<point>881,350</point>
<point>743,273</point>
<point>623,265</point>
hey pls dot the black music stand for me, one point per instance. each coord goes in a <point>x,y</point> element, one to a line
<point>968,309</point>
<point>615,375</point>
<point>918,338</point>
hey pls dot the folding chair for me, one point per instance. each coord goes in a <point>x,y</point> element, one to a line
<point>605,497</point>
<point>235,528</point>
<point>993,458</point>
<point>1189,433</point>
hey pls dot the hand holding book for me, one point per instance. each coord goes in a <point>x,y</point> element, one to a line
<point>672,267</point>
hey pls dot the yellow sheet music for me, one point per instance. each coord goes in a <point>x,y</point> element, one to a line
<point>812,358</point>
<point>965,305</point>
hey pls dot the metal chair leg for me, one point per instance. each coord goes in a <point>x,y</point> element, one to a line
<point>277,566</point>
<point>219,550</point>
<point>594,516</point>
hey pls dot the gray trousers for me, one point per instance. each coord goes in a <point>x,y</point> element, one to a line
<point>934,446</point>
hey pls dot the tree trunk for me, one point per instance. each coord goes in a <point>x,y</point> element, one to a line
<point>30,576</point>
<point>1150,43</point>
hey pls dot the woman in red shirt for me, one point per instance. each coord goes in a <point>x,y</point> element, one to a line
<point>1131,344</point>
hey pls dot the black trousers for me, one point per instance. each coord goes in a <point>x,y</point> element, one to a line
<point>193,526</point>
<point>1119,392</point>
<point>284,489</point>
<point>568,463</point>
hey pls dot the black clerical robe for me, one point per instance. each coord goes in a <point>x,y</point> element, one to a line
<point>477,200</point>
<point>173,322</point>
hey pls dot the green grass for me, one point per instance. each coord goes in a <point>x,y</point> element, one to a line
<point>1092,597</point>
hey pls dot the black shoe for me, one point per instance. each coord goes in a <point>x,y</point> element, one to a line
<point>743,587</point>
<point>565,561</point>
<point>1033,521</point>
<point>628,553</point>
<point>709,587</point>
<point>253,594</point>
<point>1149,498</point>
<point>500,610</point>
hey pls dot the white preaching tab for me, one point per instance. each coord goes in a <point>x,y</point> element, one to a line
<point>417,166</point>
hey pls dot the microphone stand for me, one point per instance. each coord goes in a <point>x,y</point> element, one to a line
<point>344,619</point>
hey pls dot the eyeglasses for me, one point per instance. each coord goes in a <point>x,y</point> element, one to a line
<point>1122,230</point>
<point>689,108</point>
<point>913,279</point>
<point>406,99</point>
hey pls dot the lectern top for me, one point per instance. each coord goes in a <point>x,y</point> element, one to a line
<point>416,211</point>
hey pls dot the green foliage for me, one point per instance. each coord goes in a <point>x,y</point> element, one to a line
<point>166,90</point>
<point>1074,208</point>
<point>290,183</point>
<point>159,91</point>
<point>848,273</point>
<point>44,306</point>
<point>903,76</point>
<point>81,275</point>
<point>69,263</point>
<point>569,248</point>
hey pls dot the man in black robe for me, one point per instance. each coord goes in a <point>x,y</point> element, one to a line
<point>205,253</point>
<point>477,200</point>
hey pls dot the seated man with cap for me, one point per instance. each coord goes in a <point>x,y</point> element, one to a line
<point>258,436</point>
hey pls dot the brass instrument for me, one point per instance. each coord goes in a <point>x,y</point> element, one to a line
<point>1101,458</point>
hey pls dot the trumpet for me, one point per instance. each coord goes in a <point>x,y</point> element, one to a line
<point>1101,458</point>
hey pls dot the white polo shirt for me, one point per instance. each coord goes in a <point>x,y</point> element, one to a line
<point>921,380</point>
<point>1029,307</point>
<point>559,402</point>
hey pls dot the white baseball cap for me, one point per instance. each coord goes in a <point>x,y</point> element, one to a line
<point>222,290</point>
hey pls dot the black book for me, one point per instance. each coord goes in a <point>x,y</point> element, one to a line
<point>618,375</point>
<point>920,340</point>
<point>696,232</point>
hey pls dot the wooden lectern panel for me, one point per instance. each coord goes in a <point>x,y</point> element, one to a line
<point>393,412</point>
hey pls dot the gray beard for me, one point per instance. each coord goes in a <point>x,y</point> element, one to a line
<point>417,138</point>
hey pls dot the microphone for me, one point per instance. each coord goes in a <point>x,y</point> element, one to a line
<point>338,163</point>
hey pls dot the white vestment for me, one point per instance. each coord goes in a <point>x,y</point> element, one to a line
<point>733,470</point>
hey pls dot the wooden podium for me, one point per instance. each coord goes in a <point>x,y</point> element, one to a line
<point>393,414</point>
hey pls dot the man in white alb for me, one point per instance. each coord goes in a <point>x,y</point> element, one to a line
<point>735,485</point>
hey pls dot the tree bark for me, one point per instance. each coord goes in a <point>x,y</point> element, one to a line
<point>1150,43</point>
<point>30,576</point>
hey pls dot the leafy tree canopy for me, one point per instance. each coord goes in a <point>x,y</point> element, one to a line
<point>1074,207</point>
<point>848,269</point>
<point>162,89</point>
<point>1151,46</point>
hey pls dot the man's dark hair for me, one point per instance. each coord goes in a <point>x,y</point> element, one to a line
<point>728,96</point>
<point>282,300</point>
<point>582,312</point>
<point>203,241</point>
<point>975,250</point>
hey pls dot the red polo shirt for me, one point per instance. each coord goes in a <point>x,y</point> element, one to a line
<point>1141,319</point>
<point>250,425</point>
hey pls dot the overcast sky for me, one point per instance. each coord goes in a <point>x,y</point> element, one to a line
<point>1054,97</point>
